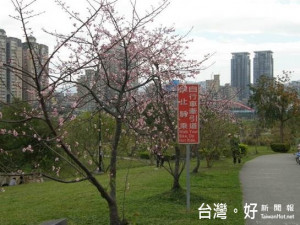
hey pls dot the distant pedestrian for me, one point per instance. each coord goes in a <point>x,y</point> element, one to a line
<point>235,149</point>
<point>158,159</point>
<point>162,160</point>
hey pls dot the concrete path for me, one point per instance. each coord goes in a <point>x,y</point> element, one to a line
<point>272,183</point>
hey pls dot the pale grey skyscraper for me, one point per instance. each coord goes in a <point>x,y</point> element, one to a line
<point>262,65</point>
<point>240,74</point>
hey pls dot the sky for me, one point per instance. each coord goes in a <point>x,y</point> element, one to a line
<point>217,26</point>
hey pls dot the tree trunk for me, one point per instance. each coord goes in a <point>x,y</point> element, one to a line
<point>177,173</point>
<point>113,209</point>
<point>196,169</point>
<point>281,131</point>
<point>114,215</point>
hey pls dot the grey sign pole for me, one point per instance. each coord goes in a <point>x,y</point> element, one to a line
<point>188,183</point>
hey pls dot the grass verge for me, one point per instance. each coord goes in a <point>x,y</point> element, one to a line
<point>148,199</point>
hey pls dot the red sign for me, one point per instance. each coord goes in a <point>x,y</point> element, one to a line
<point>188,113</point>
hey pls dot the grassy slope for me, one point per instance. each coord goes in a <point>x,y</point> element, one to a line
<point>148,199</point>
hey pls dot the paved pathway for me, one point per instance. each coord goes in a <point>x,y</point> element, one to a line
<point>273,183</point>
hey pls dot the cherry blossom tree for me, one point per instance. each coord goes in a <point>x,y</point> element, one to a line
<point>126,59</point>
<point>216,121</point>
<point>159,113</point>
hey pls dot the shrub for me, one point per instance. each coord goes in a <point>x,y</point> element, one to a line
<point>243,149</point>
<point>169,157</point>
<point>145,155</point>
<point>280,147</point>
<point>227,152</point>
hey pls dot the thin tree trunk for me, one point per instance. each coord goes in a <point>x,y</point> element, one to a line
<point>281,131</point>
<point>176,174</point>
<point>196,169</point>
<point>113,209</point>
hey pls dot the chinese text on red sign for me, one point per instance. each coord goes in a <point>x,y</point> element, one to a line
<point>188,114</point>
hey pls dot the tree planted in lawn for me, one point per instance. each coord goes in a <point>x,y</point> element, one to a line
<point>124,57</point>
<point>274,101</point>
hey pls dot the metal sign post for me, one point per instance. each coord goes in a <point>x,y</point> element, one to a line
<point>188,182</point>
<point>188,125</point>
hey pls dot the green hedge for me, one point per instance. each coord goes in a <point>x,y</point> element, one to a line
<point>145,155</point>
<point>169,157</point>
<point>280,147</point>
<point>243,149</point>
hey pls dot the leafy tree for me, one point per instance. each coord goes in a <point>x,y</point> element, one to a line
<point>274,101</point>
<point>215,123</point>
<point>89,127</point>
<point>18,133</point>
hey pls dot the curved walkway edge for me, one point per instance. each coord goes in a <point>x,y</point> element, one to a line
<point>271,190</point>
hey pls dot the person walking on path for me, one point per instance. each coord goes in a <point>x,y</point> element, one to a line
<point>235,149</point>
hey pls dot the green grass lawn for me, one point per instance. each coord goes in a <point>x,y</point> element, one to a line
<point>148,199</point>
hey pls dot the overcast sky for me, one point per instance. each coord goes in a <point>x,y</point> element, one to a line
<point>218,26</point>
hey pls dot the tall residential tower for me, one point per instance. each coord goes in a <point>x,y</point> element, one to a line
<point>262,65</point>
<point>10,77</point>
<point>24,61</point>
<point>35,56</point>
<point>240,74</point>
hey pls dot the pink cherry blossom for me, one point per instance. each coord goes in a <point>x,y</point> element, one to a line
<point>15,133</point>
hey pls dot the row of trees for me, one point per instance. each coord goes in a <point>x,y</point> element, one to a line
<point>276,104</point>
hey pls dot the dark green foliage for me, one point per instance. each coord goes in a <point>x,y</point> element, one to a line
<point>169,157</point>
<point>215,125</point>
<point>20,135</point>
<point>280,147</point>
<point>145,155</point>
<point>275,102</point>
<point>243,149</point>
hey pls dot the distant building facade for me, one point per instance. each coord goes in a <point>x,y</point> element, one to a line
<point>14,76</point>
<point>240,74</point>
<point>2,71</point>
<point>16,79</point>
<point>214,84</point>
<point>31,62</point>
<point>10,78</point>
<point>87,102</point>
<point>295,85</point>
<point>229,92</point>
<point>262,65</point>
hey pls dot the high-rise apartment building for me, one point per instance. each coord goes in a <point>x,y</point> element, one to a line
<point>10,77</point>
<point>262,64</point>
<point>2,70</point>
<point>34,58</point>
<point>14,76</point>
<point>16,79</point>
<point>240,74</point>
